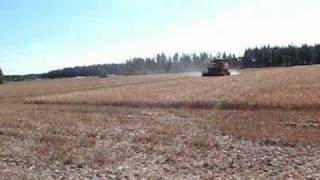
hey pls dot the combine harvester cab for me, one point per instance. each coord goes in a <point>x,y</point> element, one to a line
<point>217,68</point>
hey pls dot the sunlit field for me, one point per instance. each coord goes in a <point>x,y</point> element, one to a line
<point>261,123</point>
<point>286,89</point>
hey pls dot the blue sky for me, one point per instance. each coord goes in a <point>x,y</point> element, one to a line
<point>37,36</point>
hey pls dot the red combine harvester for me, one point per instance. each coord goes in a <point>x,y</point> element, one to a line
<point>217,67</point>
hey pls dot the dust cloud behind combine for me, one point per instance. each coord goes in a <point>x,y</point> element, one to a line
<point>234,72</point>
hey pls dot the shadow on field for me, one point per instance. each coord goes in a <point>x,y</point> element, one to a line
<point>196,105</point>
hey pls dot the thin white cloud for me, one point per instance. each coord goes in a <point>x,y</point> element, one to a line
<point>253,23</point>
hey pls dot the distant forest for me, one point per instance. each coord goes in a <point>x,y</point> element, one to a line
<point>258,57</point>
<point>162,63</point>
<point>281,56</point>
<point>261,57</point>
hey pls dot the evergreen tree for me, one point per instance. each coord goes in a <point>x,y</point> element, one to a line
<point>224,55</point>
<point>176,62</point>
<point>1,76</point>
<point>169,65</point>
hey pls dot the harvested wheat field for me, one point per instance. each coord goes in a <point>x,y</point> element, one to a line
<point>260,124</point>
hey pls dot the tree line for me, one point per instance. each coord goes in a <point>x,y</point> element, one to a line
<point>290,55</point>
<point>162,63</point>
<point>265,56</point>
<point>261,57</point>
